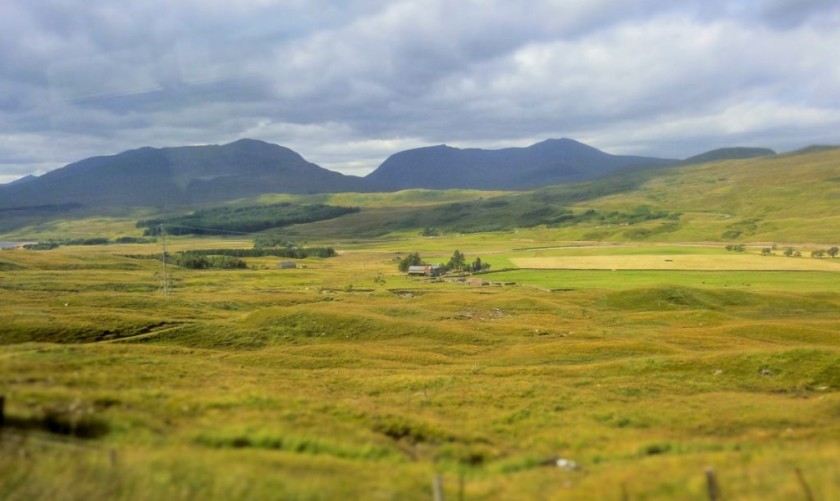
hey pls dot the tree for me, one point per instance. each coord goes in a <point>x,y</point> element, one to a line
<point>767,251</point>
<point>789,251</point>
<point>457,261</point>
<point>818,253</point>
<point>478,265</point>
<point>833,251</point>
<point>412,259</point>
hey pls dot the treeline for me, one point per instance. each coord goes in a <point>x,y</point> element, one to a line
<point>199,259</point>
<point>561,216</point>
<point>288,252</point>
<point>249,219</point>
<point>832,252</point>
<point>502,215</point>
<point>55,243</point>
<point>201,262</point>
<point>791,252</point>
<point>496,215</point>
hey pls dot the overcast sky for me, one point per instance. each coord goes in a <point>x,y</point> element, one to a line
<point>347,83</point>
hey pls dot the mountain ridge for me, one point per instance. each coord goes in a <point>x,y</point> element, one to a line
<point>552,161</point>
<point>185,176</point>
<point>729,153</point>
<point>180,176</point>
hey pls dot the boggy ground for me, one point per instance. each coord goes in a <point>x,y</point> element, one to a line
<point>347,380</point>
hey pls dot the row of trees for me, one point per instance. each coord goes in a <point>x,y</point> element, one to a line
<point>288,252</point>
<point>202,262</point>
<point>788,252</point>
<point>791,252</point>
<point>251,219</point>
<point>819,253</point>
<point>458,262</point>
<point>55,243</point>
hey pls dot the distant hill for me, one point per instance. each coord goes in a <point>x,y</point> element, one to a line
<point>554,161</point>
<point>206,175</point>
<point>734,153</point>
<point>179,176</point>
<point>781,198</point>
<point>815,148</point>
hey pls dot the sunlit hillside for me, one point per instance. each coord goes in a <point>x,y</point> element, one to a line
<point>787,198</point>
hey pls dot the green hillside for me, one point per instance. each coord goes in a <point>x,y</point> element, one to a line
<point>786,199</point>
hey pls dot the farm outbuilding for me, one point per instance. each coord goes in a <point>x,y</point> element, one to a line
<point>426,271</point>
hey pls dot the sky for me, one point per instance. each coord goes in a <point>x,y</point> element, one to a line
<point>347,83</point>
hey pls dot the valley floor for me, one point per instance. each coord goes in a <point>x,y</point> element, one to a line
<point>641,366</point>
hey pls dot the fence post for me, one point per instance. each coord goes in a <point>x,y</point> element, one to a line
<point>805,487</point>
<point>712,485</point>
<point>437,488</point>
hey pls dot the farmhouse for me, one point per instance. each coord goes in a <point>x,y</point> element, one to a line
<point>426,271</point>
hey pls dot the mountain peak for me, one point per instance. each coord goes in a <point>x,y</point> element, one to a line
<point>249,142</point>
<point>180,176</point>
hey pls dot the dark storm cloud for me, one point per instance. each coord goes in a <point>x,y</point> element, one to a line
<point>347,83</point>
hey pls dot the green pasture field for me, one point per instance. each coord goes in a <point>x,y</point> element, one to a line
<point>782,281</point>
<point>345,379</point>
<point>412,198</point>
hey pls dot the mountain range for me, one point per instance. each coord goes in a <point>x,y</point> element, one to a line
<point>201,175</point>
<point>554,161</point>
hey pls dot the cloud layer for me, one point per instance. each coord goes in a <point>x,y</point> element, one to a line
<point>348,83</point>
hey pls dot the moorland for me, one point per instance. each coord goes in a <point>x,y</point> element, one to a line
<point>631,334</point>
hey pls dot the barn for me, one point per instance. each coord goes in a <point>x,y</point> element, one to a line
<point>426,270</point>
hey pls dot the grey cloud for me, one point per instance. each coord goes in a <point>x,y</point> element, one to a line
<point>793,13</point>
<point>78,79</point>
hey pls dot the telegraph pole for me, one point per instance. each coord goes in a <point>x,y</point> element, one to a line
<point>165,289</point>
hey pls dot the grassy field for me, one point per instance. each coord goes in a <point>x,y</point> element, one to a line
<point>345,379</point>
<point>732,262</point>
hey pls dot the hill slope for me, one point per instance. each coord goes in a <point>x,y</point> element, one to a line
<point>179,176</point>
<point>554,161</point>
<point>734,153</point>
<point>782,198</point>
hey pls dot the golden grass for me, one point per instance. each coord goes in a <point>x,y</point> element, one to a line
<point>346,379</point>
<point>742,262</point>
